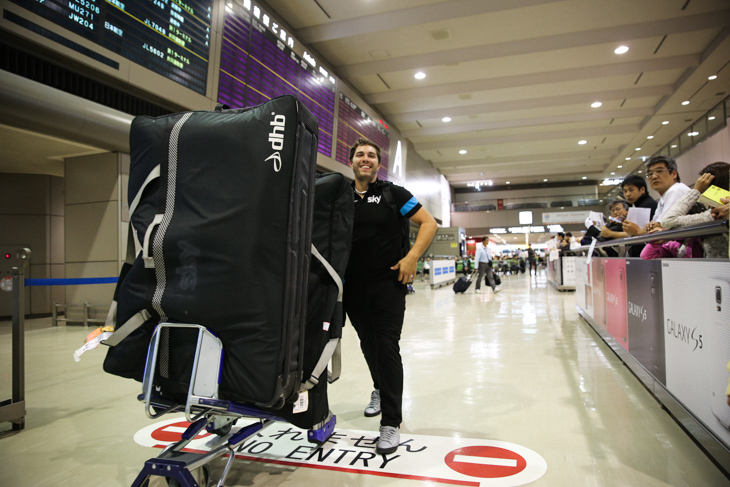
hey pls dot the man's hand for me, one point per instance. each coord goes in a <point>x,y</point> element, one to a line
<point>632,228</point>
<point>721,212</point>
<point>407,269</point>
<point>653,227</point>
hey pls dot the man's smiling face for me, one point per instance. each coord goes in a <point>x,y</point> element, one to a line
<point>365,163</point>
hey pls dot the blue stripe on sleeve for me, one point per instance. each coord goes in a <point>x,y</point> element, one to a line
<point>408,206</point>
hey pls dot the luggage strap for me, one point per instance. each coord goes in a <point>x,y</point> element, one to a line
<point>127,328</point>
<point>333,350</point>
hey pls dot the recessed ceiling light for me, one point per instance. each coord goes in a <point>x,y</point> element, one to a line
<point>446,119</point>
<point>582,142</point>
<point>710,118</point>
<point>674,146</point>
<point>693,134</point>
<point>665,122</point>
<point>640,172</point>
<point>613,173</point>
<point>621,49</point>
<point>462,151</point>
<point>544,179</point>
<point>714,76</point>
<point>649,137</point>
<point>628,158</point>
<point>507,182</point>
<point>596,104</point>
<point>638,148</point>
<point>685,102</point>
<point>584,177</point>
<point>619,167</point>
<point>419,75</point>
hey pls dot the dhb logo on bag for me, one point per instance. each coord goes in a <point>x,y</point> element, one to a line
<point>276,138</point>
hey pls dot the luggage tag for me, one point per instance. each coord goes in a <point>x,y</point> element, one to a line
<point>302,403</point>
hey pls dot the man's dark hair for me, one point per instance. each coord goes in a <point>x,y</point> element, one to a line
<point>484,239</point>
<point>623,203</point>
<point>635,180</point>
<point>568,234</point>
<point>720,170</point>
<point>668,161</point>
<point>362,141</point>
<point>561,235</point>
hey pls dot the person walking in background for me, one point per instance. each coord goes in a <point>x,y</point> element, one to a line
<point>484,266</point>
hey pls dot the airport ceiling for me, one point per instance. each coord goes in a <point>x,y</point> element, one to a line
<point>517,78</point>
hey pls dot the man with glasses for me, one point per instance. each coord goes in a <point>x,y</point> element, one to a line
<point>661,172</point>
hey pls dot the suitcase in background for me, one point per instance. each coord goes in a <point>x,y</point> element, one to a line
<point>462,284</point>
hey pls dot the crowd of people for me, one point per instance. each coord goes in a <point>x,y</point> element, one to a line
<point>677,207</point>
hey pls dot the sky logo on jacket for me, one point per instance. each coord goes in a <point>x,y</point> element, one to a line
<point>276,139</point>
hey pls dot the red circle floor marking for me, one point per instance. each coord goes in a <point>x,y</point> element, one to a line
<point>485,462</point>
<point>170,433</point>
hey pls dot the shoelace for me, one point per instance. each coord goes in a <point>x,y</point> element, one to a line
<point>388,435</point>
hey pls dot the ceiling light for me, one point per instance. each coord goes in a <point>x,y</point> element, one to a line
<point>619,167</point>
<point>596,104</point>
<point>649,137</point>
<point>419,75</point>
<point>544,179</point>
<point>628,158</point>
<point>582,142</point>
<point>665,122</point>
<point>613,173</point>
<point>710,118</point>
<point>584,177</point>
<point>507,182</point>
<point>693,134</point>
<point>685,102</point>
<point>714,76</point>
<point>640,172</point>
<point>462,151</point>
<point>674,146</point>
<point>638,148</point>
<point>621,49</point>
<point>446,119</point>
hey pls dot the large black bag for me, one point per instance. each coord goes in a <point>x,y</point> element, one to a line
<point>225,233</point>
<point>462,284</point>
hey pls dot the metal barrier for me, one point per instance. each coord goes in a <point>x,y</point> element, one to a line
<point>85,308</point>
<point>13,409</point>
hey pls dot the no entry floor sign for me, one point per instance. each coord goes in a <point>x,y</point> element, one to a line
<point>456,461</point>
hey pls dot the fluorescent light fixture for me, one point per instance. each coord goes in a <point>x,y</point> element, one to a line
<point>582,142</point>
<point>685,102</point>
<point>446,119</point>
<point>621,50</point>
<point>596,104</point>
<point>419,75</point>
<point>462,151</point>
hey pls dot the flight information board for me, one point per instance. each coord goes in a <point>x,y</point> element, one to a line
<point>353,123</point>
<point>258,63</point>
<point>169,37</point>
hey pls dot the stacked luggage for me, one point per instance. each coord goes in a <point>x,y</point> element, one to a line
<point>232,232</point>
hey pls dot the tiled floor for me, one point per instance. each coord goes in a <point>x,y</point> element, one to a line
<point>519,367</point>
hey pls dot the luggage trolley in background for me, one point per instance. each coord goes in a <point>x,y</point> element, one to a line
<point>203,409</point>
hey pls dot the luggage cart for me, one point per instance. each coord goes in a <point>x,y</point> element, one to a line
<point>204,410</point>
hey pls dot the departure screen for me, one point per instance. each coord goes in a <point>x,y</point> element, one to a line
<point>258,63</point>
<point>169,37</point>
<point>353,123</point>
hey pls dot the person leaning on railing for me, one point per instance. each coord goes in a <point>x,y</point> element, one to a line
<point>678,215</point>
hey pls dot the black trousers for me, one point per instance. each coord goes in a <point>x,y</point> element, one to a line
<point>486,268</point>
<point>376,312</point>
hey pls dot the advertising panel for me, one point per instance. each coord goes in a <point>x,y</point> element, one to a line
<point>598,268</point>
<point>442,271</point>
<point>697,338</point>
<point>616,310</point>
<point>646,315</point>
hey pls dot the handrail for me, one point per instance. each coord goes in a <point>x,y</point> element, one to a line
<point>699,230</point>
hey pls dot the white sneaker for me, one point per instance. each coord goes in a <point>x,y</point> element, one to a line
<point>388,441</point>
<point>373,407</point>
<point>478,291</point>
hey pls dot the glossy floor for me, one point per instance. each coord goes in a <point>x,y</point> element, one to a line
<point>519,366</point>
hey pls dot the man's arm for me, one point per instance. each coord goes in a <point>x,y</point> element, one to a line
<point>606,233</point>
<point>407,265</point>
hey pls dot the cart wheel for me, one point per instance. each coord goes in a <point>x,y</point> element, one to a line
<point>223,430</point>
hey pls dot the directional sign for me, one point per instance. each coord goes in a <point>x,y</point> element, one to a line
<point>446,460</point>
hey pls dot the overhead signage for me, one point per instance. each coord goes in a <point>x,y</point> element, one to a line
<point>432,459</point>
<point>564,217</point>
